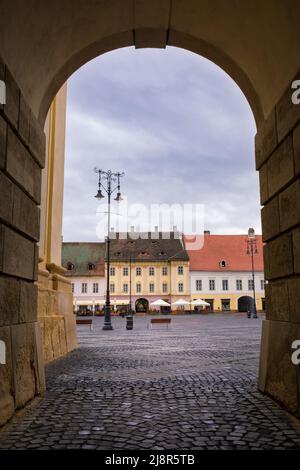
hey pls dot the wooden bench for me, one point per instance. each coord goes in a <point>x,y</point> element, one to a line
<point>160,321</point>
<point>85,321</point>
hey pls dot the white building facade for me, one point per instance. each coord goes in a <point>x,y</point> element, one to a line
<point>227,291</point>
<point>221,273</point>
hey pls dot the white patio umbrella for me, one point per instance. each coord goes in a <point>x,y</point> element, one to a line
<point>200,302</point>
<point>180,302</point>
<point>160,303</point>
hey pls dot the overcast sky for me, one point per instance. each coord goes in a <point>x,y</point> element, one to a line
<point>175,123</point>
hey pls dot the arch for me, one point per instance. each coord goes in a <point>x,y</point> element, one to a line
<point>256,43</point>
<point>245,304</point>
<point>141,305</point>
<point>175,39</point>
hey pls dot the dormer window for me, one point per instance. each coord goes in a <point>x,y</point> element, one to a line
<point>91,266</point>
<point>223,263</point>
<point>70,266</point>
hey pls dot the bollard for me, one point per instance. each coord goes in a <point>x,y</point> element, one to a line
<point>129,322</point>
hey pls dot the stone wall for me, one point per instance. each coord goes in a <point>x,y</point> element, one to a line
<point>21,160</point>
<point>55,313</point>
<point>278,161</point>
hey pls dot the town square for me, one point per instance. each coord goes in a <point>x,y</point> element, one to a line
<point>190,387</point>
<point>149,228</point>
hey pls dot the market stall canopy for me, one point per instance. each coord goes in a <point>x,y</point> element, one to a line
<point>120,302</point>
<point>181,302</point>
<point>160,303</point>
<point>81,303</point>
<point>200,302</point>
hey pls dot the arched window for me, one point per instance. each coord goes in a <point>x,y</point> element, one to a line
<point>70,266</point>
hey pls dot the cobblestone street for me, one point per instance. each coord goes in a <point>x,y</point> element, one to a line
<point>192,386</point>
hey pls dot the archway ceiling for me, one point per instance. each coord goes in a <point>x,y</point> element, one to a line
<point>256,42</point>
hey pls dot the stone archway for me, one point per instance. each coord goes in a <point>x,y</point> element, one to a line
<point>141,305</point>
<point>245,304</point>
<point>38,54</point>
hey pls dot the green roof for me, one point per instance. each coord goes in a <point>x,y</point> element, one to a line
<point>80,254</point>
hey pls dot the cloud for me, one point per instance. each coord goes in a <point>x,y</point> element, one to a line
<point>177,125</point>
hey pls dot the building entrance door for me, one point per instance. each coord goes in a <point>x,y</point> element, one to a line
<point>141,306</point>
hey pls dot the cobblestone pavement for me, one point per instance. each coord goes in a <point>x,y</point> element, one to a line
<point>190,387</point>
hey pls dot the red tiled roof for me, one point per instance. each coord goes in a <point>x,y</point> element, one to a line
<point>230,248</point>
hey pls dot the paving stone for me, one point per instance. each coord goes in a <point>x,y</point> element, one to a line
<point>191,387</point>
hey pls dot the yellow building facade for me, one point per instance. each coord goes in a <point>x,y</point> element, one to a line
<point>145,270</point>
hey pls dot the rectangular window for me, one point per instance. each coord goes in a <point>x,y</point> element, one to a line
<point>198,284</point>
<point>151,287</point>
<point>112,271</point>
<point>165,287</point>
<point>125,271</point>
<point>125,288</point>
<point>250,284</point>
<point>151,271</point>
<point>112,288</point>
<point>73,287</point>
<point>225,305</point>
<point>180,269</point>
<point>225,284</point>
<point>180,287</point>
<point>95,288</point>
<point>164,271</point>
<point>138,271</point>
<point>262,284</point>
<point>239,284</point>
<point>138,288</point>
<point>212,284</point>
<point>84,288</point>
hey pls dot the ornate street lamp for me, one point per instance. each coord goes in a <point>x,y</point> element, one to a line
<point>109,178</point>
<point>252,250</point>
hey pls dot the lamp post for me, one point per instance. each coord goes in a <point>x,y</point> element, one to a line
<point>252,250</point>
<point>110,178</point>
<point>129,318</point>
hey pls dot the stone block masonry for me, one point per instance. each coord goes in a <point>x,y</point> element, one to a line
<point>278,160</point>
<point>22,156</point>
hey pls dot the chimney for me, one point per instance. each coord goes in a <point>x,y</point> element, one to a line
<point>132,228</point>
<point>156,228</point>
